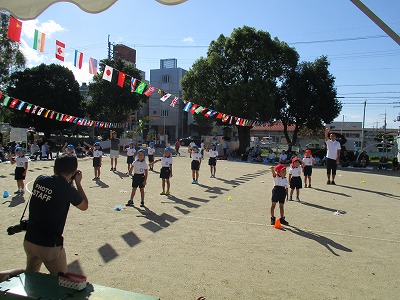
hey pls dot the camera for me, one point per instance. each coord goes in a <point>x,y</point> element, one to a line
<point>23,224</point>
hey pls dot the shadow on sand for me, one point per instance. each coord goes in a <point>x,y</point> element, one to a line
<point>324,241</point>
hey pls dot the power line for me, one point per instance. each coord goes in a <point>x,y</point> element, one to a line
<point>341,40</point>
<point>369,93</point>
<point>372,84</point>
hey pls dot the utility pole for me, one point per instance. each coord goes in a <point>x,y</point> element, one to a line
<point>385,144</point>
<point>110,52</point>
<point>363,124</point>
<point>341,130</point>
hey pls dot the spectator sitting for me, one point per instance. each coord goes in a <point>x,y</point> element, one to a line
<point>395,164</point>
<point>44,151</point>
<point>80,151</point>
<point>319,161</point>
<point>35,151</point>
<point>258,150</point>
<point>283,158</point>
<point>344,159</point>
<point>383,163</point>
<point>271,156</point>
<point>363,162</point>
<point>258,159</point>
<point>2,154</point>
<point>245,156</point>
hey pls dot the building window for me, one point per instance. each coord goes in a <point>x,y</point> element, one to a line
<point>164,113</point>
<point>165,78</point>
<point>352,135</point>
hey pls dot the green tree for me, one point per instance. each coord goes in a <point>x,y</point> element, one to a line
<point>51,86</point>
<point>308,98</point>
<point>109,102</point>
<point>240,76</point>
<point>11,60</point>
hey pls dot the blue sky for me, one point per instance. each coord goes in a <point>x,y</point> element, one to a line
<point>364,61</point>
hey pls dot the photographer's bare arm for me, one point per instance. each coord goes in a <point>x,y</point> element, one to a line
<point>326,134</point>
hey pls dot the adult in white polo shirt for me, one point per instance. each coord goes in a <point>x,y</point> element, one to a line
<point>332,155</point>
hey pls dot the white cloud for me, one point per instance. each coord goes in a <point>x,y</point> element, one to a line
<point>33,57</point>
<point>49,27</point>
<point>188,40</point>
<point>81,75</point>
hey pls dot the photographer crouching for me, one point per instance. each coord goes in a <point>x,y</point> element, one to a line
<point>48,210</point>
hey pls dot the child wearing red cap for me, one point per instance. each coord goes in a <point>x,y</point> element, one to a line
<point>279,192</point>
<point>294,178</point>
<point>308,162</point>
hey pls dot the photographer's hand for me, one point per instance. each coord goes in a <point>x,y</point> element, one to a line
<point>78,177</point>
<point>85,203</point>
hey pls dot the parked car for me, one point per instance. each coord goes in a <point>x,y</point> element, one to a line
<point>188,140</point>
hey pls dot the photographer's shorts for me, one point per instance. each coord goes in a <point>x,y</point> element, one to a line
<point>54,258</point>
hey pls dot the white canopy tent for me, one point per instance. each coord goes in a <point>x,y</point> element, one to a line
<point>30,9</point>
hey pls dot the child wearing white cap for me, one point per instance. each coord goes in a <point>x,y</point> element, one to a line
<point>166,170</point>
<point>20,170</point>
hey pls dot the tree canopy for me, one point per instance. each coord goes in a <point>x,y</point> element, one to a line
<point>51,86</point>
<point>308,98</point>
<point>240,76</point>
<point>109,102</point>
<point>11,59</point>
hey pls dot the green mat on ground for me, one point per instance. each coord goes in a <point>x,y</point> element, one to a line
<point>31,285</point>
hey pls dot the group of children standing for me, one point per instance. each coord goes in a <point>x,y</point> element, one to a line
<point>140,168</point>
<point>140,172</point>
<point>282,184</point>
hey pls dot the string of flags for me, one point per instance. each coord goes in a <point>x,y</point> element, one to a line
<point>137,86</point>
<point>33,109</point>
<point>143,88</point>
<point>39,40</point>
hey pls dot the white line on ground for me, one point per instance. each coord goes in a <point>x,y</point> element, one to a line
<point>260,224</point>
<point>312,231</point>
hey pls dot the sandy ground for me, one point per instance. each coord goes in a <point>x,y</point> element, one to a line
<point>214,239</point>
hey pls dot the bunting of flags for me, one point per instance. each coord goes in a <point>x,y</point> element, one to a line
<point>141,87</point>
<point>137,86</point>
<point>14,33</point>
<point>29,108</point>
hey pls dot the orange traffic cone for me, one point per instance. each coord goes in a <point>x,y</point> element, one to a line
<point>278,224</point>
